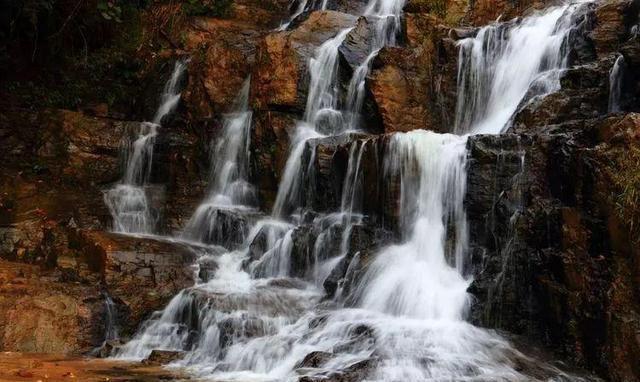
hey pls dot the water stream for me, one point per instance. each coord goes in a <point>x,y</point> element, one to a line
<point>128,201</point>
<point>616,76</point>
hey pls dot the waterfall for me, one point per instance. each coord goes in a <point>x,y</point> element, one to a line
<point>386,16</point>
<point>320,117</point>
<point>616,76</point>
<point>262,318</point>
<point>128,201</point>
<point>509,63</point>
<point>229,188</point>
<point>301,6</point>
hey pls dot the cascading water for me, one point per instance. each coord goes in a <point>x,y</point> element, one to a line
<point>128,201</point>
<point>403,319</point>
<point>301,6</point>
<point>615,84</point>
<point>229,188</point>
<point>504,63</point>
<point>320,117</point>
<point>385,15</point>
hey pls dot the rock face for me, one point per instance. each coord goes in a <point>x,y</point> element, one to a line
<point>552,259</point>
<point>42,312</point>
<point>141,274</point>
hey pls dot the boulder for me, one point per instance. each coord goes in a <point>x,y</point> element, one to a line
<point>280,80</point>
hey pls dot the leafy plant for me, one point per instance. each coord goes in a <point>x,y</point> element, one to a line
<point>110,10</point>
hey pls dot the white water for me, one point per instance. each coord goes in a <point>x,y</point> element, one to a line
<point>229,188</point>
<point>320,114</point>
<point>300,7</point>
<point>128,201</point>
<point>504,63</point>
<point>405,316</point>
<point>386,18</point>
<point>616,76</point>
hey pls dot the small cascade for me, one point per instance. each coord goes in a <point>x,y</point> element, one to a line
<point>229,189</point>
<point>616,77</point>
<point>298,7</point>
<point>386,16</point>
<point>128,201</point>
<point>419,278</point>
<point>111,327</point>
<point>506,64</point>
<point>110,320</point>
<point>320,118</point>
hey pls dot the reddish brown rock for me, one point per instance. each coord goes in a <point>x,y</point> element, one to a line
<point>281,80</point>
<point>224,51</point>
<point>400,87</point>
<point>141,273</point>
<point>269,151</point>
<point>613,18</point>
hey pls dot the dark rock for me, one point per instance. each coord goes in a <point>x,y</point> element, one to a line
<point>613,20</point>
<point>234,329</point>
<point>163,357</point>
<point>547,244</point>
<point>315,359</point>
<point>357,44</point>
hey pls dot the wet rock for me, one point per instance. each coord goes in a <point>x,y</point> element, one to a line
<point>163,357</point>
<point>356,372</point>
<point>280,81</point>
<point>547,244</point>
<point>613,18</point>
<point>269,152</point>
<point>362,237</point>
<point>142,273</point>
<point>584,94</point>
<point>235,329</point>
<point>107,348</point>
<point>227,227</point>
<point>52,155</point>
<point>315,359</point>
<point>302,252</point>
<point>207,269</point>
<point>216,73</point>
<point>323,183</point>
<point>399,86</point>
<point>357,44</point>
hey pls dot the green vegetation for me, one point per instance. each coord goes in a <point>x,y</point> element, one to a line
<point>626,179</point>
<point>68,53</point>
